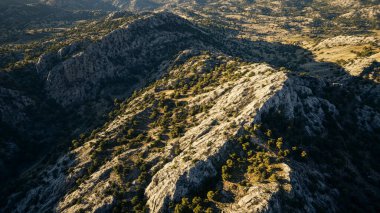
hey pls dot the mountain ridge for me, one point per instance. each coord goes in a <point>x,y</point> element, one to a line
<point>169,139</point>
<point>189,106</point>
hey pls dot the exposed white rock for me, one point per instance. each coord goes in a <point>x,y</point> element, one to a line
<point>358,66</point>
<point>365,13</point>
<point>252,96</point>
<point>345,3</point>
<point>345,40</point>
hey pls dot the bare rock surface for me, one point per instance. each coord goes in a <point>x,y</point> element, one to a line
<point>126,55</point>
<point>345,40</point>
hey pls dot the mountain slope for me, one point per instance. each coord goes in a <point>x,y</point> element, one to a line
<point>131,53</point>
<point>215,116</point>
<point>80,5</point>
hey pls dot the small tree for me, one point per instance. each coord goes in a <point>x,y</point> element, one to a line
<point>153,115</point>
<point>130,132</point>
<point>303,154</point>
<point>75,144</point>
<point>230,163</point>
<point>198,209</point>
<point>196,201</point>
<point>279,144</point>
<point>209,210</point>
<point>245,146</point>
<point>268,133</point>
<point>256,127</point>
<point>135,200</point>
<point>225,174</point>
<point>179,208</point>
<point>270,142</point>
<point>273,178</point>
<point>210,195</point>
<point>185,201</point>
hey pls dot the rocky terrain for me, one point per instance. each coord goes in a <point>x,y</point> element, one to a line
<point>125,57</point>
<point>194,110</point>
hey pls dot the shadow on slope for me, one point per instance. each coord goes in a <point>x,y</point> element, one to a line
<point>340,172</point>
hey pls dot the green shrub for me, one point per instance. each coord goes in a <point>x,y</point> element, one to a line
<point>210,195</point>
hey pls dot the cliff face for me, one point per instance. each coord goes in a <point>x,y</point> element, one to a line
<point>126,57</point>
